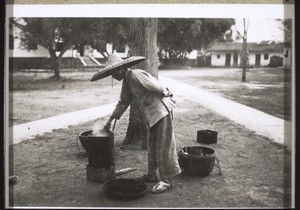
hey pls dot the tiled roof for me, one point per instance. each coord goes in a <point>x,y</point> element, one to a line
<point>266,42</point>
<point>267,47</point>
<point>225,46</point>
<point>253,47</point>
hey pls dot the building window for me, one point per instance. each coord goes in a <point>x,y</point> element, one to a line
<point>266,56</point>
<point>218,56</point>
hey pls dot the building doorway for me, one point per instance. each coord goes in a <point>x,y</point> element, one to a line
<point>257,60</point>
<point>235,59</point>
<point>227,60</point>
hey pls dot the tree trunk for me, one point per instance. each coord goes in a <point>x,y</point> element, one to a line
<point>244,53</point>
<point>55,64</point>
<point>55,60</point>
<point>244,60</point>
<point>143,42</point>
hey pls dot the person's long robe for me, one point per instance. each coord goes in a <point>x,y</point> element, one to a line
<point>150,96</point>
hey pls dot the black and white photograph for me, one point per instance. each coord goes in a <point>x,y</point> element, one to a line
<point>149,106</point>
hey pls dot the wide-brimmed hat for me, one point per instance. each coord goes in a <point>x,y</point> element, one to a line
<point>114,62</point>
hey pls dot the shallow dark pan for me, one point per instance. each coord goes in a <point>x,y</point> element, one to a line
<point>124,189</point>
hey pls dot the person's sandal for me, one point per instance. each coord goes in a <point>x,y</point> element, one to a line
<point>161,187</point>
<point>146,178</point>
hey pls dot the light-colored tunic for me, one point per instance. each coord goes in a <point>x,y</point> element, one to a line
<point>149,95</point>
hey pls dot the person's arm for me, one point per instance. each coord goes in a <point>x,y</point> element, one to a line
<point>149,82</point>
<point>122,105</point>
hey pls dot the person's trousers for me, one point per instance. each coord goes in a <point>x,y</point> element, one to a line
<point>162,152</point>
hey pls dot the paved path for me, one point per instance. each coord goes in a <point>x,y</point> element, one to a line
<point>263,124</point>
<point>29,130</point>
<point>260,122</point>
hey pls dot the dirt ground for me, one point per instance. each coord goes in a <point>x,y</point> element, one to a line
<point>255,172</point>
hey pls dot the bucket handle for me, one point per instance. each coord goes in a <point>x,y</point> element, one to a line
<point>114,125</point>
<point>77,141</point>
<point>218,165</point>
<point>79,154</point>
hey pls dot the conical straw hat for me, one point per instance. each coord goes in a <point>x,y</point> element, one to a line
<point>115,62</point>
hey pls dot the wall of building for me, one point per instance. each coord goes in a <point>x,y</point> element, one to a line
<point>215,61</point>
<point>238,60</point>
<point>18,52</point>
<point>122,54</point>
<point>263,61</point>
<point>251,58</point>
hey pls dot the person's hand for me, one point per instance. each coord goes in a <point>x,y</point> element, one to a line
<point>107,125</point>
<point>168,93</point>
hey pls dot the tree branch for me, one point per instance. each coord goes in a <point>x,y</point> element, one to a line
<point>20,26</point>
<point>36,40</point>
<point>238,31</point>
<point>65,48</point>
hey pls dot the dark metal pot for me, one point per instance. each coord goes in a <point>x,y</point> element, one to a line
<point>207,136</point>
<point>100,149</point>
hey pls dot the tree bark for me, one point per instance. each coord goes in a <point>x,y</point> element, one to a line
<point>244,53</point>
<point>55,60</point>
<point>244,60</point>
<point>54,64</point>
<point>143,42</point>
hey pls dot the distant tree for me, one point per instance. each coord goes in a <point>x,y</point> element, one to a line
<point>178,36</point>
<point>287,28</point>
<point>244,51</point>
<point>59,34</point>
<point>47,32</point>
<point>108,30</point>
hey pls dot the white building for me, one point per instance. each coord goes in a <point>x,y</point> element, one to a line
<point>259,54</point>
<point>38,57</point>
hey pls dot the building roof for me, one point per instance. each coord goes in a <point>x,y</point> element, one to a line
<point>266,42</point>
<point>226,46</point>
<point>275,47</point>
<point>264,46</point>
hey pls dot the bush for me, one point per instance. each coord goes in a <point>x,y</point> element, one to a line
<point>173,63</point>
<point>203,61</point>
<point>276,61</point>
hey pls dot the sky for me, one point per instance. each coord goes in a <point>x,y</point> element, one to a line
<point>260,29</point>
<point>262,24</point>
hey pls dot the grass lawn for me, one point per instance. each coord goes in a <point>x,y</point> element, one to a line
<point>33,96</point>
<point>265,89</point>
